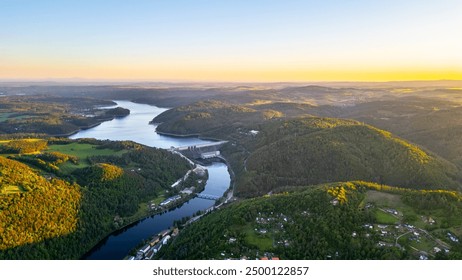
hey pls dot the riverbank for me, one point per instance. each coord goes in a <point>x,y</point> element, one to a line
<point>136,127</point>
<point>161,204</point>
<point>148,249</point>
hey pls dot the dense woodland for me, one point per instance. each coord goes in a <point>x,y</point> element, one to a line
<point>304,223</point>
<point>49,213</point>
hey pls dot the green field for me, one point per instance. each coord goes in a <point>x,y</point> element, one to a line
<point>385,218</point>
<point>82,151</point>
<point>8,116</point>
<point>8,189</point>
<point>263,242</point>
<point>384,199</point>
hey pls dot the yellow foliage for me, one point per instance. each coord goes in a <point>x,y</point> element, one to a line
<point>47,209</point>
<point>110,172</point>
<point>339,193</point>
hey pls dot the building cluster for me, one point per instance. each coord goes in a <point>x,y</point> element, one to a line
<point>154,245</point>
<point>170,200</point>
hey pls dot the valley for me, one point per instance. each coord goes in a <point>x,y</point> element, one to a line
<point>331,171</point>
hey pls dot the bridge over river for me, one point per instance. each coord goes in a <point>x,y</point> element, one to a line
<point>208,196</point>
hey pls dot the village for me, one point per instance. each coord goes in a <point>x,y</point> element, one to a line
<point>421,242</point>
<point>267,233</point>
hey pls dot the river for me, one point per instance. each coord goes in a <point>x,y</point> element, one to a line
<point>136,127</point>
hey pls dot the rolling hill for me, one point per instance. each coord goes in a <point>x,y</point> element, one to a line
<point>319,150</point>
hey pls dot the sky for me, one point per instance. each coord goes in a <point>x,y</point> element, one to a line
<point>238,40</point>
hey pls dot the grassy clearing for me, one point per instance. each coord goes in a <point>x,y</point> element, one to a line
<point>9,116</point>
<point>384,199</point>
<point>424,244</point>
<point>9,189</point>
<point>385,218</point>
<point>82,151</point>
<point>264,242</point>
<point>4,116</point>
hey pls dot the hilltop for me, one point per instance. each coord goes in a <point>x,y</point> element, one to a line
<point>314,150</point>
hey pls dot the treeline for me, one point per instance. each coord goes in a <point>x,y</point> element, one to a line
<point>23,146</point>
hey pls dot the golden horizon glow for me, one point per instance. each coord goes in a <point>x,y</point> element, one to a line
<point>227,75</point>
<point>237,41</point>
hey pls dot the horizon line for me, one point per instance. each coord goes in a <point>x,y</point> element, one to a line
<point>185,81</point>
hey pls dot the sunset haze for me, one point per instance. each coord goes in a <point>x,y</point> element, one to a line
<point>231,40</point>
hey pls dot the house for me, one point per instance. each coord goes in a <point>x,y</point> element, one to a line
<point>165,240</point>
<point>156,248</point>
<point>149,255</point>
<point>164,232</point>
<point>423,257</point>
<point>154,241</point>
<point>452,237</point>
<point>144,250</point>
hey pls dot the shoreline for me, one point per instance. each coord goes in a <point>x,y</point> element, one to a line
<point>195,135</point>
<point>225,197</point>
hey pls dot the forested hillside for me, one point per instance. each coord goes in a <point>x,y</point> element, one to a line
<point>32,208</point>
<point>354,220</point>
<point>319,150</point>
<point>72,193</point>
<point>276,144</point>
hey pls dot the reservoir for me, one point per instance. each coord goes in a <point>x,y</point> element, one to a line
<point>136,127</point>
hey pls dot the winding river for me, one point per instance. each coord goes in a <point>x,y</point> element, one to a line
<point>136,127</point>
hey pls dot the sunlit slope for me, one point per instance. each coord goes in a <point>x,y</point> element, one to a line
<point>214,118</point>
<point>319,150</point>
<point>32,208</point>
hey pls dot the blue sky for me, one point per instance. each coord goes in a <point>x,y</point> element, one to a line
<point>231,40</point>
